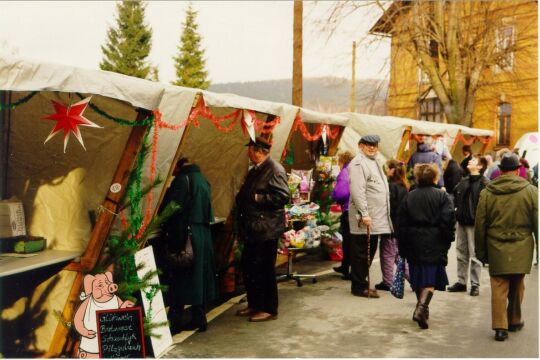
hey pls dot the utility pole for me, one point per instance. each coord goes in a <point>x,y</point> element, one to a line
<point>297,54</point>
<point>353,80</point>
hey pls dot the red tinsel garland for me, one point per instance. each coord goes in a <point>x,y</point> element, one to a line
<point>201,110</point>
<point>299,125</point>
<point>472,139</point>
<point>459,137</point>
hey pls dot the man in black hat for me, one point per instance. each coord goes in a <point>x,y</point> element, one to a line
<point>506,219</point>
<point>369,213</point>
<point>261,218</point>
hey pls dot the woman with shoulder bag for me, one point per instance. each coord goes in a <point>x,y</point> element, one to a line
<point>426,230</point>
<point>191,281</point>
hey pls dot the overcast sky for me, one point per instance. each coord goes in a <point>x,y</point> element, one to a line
<point>243,41</point>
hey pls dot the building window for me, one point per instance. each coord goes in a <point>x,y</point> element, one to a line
<point>422,76</point>
<point>504,122</point>
<point>431,110</point>
<point>434,50</point>
<point>505,39</point>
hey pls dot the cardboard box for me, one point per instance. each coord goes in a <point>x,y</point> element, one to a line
<point>12,222</point>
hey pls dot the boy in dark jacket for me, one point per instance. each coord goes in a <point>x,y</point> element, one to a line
<point>466,195</point>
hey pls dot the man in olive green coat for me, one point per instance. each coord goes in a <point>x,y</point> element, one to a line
<point>506,219</point>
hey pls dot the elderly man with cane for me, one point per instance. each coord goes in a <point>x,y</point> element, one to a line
<point>369,213</point>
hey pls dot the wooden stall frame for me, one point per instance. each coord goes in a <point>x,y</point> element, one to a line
<point>332,150</point>
<point>61,341</point>
<point>405,138</point>
<point>455,143</point>
<point>287,143</point>
<point>486,145</point>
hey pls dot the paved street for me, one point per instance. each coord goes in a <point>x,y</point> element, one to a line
<point>324,320</point>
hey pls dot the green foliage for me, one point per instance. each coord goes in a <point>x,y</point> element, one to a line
<point>122,245</point>
<point>190,62</point>
<point>330,219</point>
<point>128,45</point>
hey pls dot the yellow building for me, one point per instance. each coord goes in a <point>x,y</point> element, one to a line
<point>506,99</point>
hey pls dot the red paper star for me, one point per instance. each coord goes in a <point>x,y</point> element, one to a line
<point>68,118</point>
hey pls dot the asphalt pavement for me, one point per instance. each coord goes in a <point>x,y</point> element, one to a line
<point>324,320</point>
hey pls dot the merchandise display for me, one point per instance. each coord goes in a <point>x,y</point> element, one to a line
<point>300,185</point>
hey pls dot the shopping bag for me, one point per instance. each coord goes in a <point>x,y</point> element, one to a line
<point>398,283</point>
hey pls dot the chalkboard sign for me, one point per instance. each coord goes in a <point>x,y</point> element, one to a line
<point>120,333</point>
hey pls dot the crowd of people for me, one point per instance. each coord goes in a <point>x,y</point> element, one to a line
<point>412,211</point>
<point>490,208</point>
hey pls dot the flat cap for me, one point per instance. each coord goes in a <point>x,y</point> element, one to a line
<point>260,142</point>
<point>370,139</point>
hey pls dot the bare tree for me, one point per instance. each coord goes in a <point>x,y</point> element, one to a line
<point>456,44</point>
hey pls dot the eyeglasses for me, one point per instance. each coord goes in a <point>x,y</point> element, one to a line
<point>373,146</point>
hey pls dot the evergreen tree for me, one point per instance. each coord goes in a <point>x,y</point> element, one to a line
<point>190,62</point>
<point>129,43</point>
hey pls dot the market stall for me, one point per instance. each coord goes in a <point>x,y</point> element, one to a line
<point>71,183</point>
<point>89,179</point>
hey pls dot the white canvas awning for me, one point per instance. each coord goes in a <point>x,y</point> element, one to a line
<point>59,190</point>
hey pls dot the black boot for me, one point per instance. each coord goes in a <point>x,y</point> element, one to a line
<point>421,313</point>
<point>197,319</point>
<point>418,302</point>
<point>175,316</point>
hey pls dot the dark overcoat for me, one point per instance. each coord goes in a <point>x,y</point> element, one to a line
<point>426,226</point>
<point>263,220</point>
<point>196,284</point>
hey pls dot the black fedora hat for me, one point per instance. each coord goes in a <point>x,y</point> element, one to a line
<point>260,142</point>
<point>509,162</point>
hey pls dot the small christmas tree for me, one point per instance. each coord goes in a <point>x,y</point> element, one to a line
<point>129,43</point>
<point>190,62</point>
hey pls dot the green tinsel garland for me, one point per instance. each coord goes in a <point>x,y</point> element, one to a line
<point>148,121</point>
<point>18,102</point>
<point>127,263</point>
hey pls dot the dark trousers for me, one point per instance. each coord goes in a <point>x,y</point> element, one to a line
<point>259,270</point>
<point>346,245</point>
<point>359,259</point>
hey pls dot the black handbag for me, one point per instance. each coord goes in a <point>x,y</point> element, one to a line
<point>184,258</point>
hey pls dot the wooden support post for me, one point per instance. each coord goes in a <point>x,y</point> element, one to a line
<point>288,143</point>
<point>486,145</point>
<point>404,140</point>
<point>269,118</point>
<point>60,341</point>
<point>332,150</point>
<point>454,145</point>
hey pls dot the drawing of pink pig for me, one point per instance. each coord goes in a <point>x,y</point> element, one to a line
<point>98,295</point>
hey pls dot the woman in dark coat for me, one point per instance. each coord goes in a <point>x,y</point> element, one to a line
<point>196,284</point>
<point>426,230</point>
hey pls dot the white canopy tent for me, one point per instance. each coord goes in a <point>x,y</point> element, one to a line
<point>49,181</point>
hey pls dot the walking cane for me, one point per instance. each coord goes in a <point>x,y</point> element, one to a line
<point>368,257</point>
